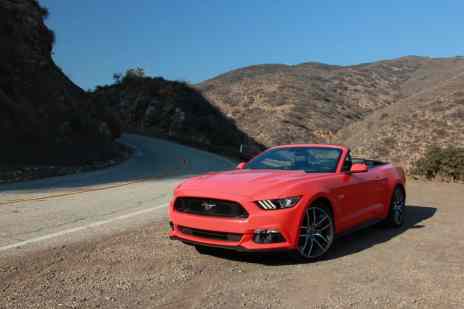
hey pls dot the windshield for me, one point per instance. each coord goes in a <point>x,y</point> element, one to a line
<point>308,159</point>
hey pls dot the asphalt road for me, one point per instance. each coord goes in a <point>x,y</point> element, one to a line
<point>75,207</point>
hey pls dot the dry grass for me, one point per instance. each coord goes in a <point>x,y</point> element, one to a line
<point>391,110</point>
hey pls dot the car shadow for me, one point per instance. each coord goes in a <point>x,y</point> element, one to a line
<point>345,245</point>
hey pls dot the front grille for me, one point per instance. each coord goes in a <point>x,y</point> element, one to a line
<point>210,207</point>
<point>210,234</point>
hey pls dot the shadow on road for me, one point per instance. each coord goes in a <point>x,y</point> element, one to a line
<point>153,159</point>
<point>345,245</point>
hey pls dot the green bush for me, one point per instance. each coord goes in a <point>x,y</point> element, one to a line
<point>441,162</point>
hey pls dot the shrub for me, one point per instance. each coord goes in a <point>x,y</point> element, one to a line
<point>114,124</point>
<point>50,38</point>
<point>133,74</point>
<point>42,9</point>
<point>117,78</point>
<point>441,162</point>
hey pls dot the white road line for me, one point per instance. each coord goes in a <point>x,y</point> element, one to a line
<point>80,228</point>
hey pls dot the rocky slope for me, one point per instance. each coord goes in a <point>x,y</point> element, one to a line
<point>44,117</point>
<point>314,102</point>
<point>404,131</point>
<point>173,110</point>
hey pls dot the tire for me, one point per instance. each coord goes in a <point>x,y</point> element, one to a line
<point>316,233</point>
<point>397,208</point>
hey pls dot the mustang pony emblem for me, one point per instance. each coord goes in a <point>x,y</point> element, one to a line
<point>207,206</point>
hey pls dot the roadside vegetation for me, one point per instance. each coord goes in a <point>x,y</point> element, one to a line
<point>442,163</point>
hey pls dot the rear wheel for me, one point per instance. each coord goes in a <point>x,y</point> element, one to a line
<point>397,206</point>
<point>316,233</point>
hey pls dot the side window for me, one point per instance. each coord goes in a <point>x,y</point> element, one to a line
<point>348,162</point>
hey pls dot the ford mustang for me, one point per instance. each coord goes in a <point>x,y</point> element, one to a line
<point>292,197</point>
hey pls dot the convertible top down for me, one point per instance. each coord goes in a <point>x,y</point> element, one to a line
<point>292,197</point>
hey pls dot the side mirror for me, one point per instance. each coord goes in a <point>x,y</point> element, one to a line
<point>359,168</point>
<point>241,165</point>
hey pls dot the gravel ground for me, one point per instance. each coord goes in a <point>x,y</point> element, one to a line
<point>418,266</point>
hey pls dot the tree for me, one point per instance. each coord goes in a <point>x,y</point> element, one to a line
<point>134,73</point>
<point>117,78</point>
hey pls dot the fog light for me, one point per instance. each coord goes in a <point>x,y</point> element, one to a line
<point>267,236</point>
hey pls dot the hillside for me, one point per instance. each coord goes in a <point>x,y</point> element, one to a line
<point>172,110</point>
<point>315,102</point>
<point>402,132</point>
<point>44,117</point>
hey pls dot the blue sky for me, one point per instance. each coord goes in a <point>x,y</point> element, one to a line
<point>196,40</point>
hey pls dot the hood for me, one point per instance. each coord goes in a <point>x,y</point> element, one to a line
<point>250,183</point>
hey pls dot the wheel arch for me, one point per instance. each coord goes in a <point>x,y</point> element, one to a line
<point>328,203</point>
<point>397,185</point>
<point>400,185</point>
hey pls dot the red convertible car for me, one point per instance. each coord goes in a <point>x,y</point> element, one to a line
<point>292,197</point>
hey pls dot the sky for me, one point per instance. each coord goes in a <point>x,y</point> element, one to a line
<point>196,40</point>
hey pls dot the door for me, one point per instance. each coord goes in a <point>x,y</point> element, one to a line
<point>380,194</point>
<point>354,196</point>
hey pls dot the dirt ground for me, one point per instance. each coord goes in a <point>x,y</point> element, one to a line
<point>418,266</point>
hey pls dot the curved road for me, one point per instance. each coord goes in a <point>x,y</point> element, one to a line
<point>49,211</point>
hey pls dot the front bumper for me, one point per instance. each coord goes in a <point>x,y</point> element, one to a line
<point>285,221</point>
<point>234,248</point>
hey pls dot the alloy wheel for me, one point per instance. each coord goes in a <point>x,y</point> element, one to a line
<point>316,232</point>
<point>398,206</point>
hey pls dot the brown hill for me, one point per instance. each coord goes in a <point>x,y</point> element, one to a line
<point>402,132</point>
<point>44,117</point>
<point>314,102</point>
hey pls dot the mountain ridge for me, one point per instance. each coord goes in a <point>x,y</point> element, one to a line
<point>316,102</point>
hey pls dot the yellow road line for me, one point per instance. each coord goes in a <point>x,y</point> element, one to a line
<point>17,201</point>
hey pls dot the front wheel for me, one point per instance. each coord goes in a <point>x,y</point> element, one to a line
<point>397,206</point>
<point>316,233</point>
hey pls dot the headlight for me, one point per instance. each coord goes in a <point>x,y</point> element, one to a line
<point>279,203</point>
